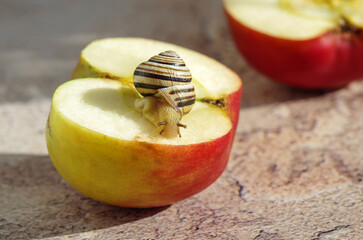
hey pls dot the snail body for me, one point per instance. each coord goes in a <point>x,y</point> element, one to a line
<point>166,85</point>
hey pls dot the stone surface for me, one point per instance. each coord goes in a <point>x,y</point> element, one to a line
<point>296,167</point>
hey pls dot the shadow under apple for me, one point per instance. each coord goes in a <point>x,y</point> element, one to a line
<point>36,202</point>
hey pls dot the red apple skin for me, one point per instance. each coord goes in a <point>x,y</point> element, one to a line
<point>233,109</point>
<point>133,173</point>
<point>331,60</point>
<point>187,170</point>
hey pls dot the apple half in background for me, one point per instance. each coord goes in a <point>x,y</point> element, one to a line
<point>103,147</point>
<point>117,58</point>
<point>303,43</point>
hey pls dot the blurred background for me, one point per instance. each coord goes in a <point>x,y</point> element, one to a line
<point>41,40</point>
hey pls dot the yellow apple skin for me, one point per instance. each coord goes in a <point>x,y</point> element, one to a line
<point>132,173</point>
<point>232,106</point>
<point>86,70</point>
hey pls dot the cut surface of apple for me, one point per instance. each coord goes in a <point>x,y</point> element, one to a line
<point>295,19</point>
<point>104,147</point>
<point>312,44</point>
<point>107,107</point>
<point>117,58</point>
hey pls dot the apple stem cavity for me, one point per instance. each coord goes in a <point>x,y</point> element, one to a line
<point>161,114</point>
<point>346,27</point>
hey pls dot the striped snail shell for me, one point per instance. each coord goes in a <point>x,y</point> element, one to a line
<point>165,76</point>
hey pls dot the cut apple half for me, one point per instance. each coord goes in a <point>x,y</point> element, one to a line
<point>295,19</point>
<point>118,147</point>
<point>117,58</point>
<point>101,144</point>
<point>314,44</point>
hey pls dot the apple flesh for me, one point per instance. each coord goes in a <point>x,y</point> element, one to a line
<point>117,59</point>
<point>104,147</point>
<point>302,43</point>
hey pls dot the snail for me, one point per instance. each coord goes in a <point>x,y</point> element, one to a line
<point>168,93</point>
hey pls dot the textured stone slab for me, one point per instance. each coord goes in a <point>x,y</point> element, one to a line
<point>295,173</point>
